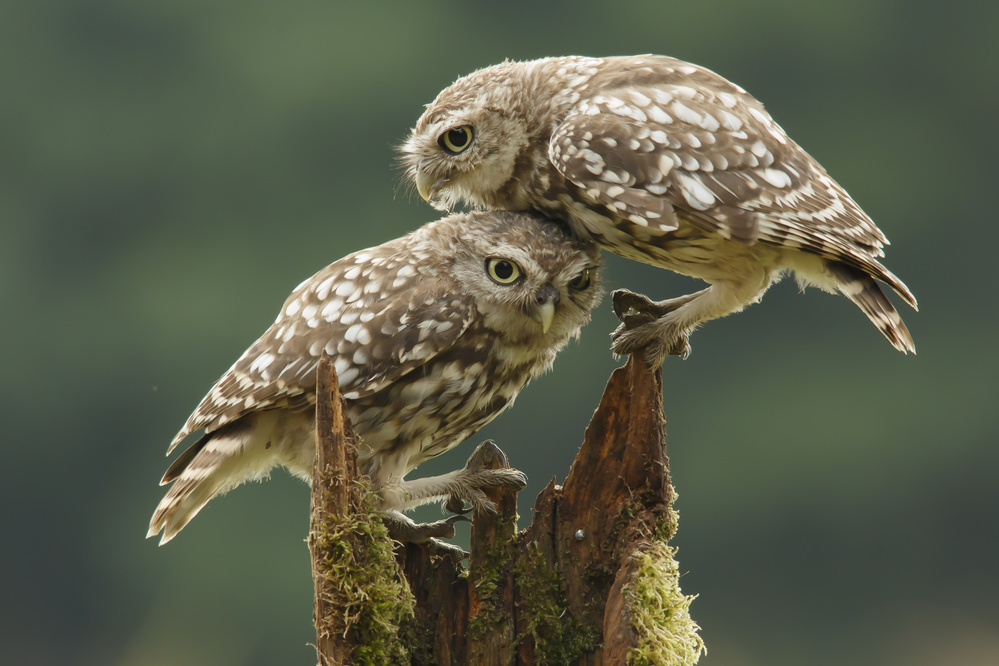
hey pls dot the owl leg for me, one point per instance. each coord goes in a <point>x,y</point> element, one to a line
<point>661,329</point>
<point>457,487</point>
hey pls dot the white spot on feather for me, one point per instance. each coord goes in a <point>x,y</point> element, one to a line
<point>262,362</point>
<point>341,365</point>
<point>358,334</point>
<point>639,99</point>
<point>696,194</point>
<point>776,177</point>
<point>663,97</point>
<point>685,113</point>
<point>323,290</point>
<point>727,99</point>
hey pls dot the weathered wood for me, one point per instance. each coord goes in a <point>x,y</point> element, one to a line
<point>616,496</point>
<point>441,605</point>
<point>561,591</point>
<point>490,575</point>
<point>333,494</point>
<point>622,462</point>
<point>361,598</point>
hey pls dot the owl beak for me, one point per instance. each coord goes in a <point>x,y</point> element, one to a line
<point>543,309</point>
<point>427,185</point>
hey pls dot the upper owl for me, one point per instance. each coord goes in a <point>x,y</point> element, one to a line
<point>660,161</point>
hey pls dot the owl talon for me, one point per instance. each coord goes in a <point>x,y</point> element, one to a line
<point>485,455</point>
<point>480,472</point>
<point>456,505</point>
<point>407,531</point>
<point>628,303</point>
<point>635,309</point>
<point>470,484</point>
<point>649,339</point>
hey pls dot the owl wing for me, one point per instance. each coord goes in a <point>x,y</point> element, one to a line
<point>373,338</point>
<point>649,147</point>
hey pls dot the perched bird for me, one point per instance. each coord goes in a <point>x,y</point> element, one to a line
<point>432,336</point>
<point>663,162</point>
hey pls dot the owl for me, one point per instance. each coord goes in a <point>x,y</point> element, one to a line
<point>432,336</point>
<point>659,161</point>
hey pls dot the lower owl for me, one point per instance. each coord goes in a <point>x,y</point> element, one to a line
<point>432,336</point>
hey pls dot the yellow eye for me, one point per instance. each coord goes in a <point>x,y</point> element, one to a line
<point>581,281</point>
<point>502,271</point>
<point>456,140</point>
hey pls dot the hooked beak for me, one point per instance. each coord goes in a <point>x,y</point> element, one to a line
<point>543,308</point>
<point>427,185</point>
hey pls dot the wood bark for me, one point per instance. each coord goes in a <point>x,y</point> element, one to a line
<point>334,493</point>
<point>554,592</point>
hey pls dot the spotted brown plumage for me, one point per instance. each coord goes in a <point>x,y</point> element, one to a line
<point>432,335</point>
<point>663,162</point>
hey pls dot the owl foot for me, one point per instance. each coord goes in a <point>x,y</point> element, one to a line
<point>641,309</point>
<point>405,530</point>
<point>457,487</point>
<point>479,473</point>
<point>647,327</point>
<point>651,341</point>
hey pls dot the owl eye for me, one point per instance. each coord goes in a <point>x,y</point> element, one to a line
<point>503,271</point>
<point>456,140</point>
<point>581,281</point>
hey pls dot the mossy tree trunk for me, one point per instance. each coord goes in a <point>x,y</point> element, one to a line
<point>591,581</point>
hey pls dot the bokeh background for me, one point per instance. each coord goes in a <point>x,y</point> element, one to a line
<point>170,171</point>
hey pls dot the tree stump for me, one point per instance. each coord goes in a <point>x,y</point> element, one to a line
<point>591,581</point>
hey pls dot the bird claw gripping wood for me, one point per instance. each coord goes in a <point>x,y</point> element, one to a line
<point>487,467</point>
<point>410,532</point>
<point>641,328</point>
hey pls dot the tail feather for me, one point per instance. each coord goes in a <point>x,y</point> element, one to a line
<point>184,461</point>
<point>214,465</point>
<point>898,286</point>
<point>867,295</point>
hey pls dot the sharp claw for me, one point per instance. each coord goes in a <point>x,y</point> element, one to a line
<point>484,455</point>
<point>637,319</point>
<point>459,518</point>
<point>521,481</point>
<point>422,532</point>
<point>625,301</point>
<point>441,529</point>
<point>651,343</point>
<point>456,505</point>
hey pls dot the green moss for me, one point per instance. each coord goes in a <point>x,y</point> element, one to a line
<point>665,633</point>
<point>559,638</point>
<point>489,574</point>
<point>666,524</point>
<point>364,580</point>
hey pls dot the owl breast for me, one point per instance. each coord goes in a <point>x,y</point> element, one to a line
<point>437,406</point>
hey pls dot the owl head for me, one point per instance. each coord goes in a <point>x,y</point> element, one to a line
<point>476,135</point>
<point>531,281</point>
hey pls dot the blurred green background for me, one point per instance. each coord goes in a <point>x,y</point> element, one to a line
<point>170,171</point>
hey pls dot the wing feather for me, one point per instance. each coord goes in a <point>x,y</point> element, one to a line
<point>664,139</point>
<point>373,339</point>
